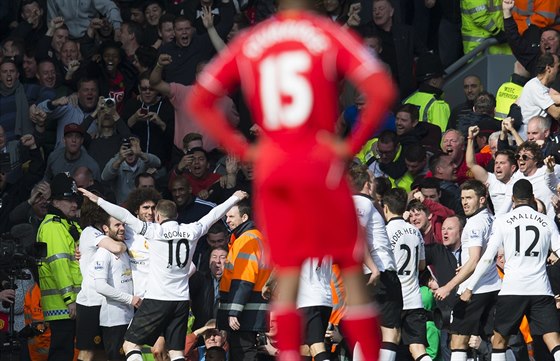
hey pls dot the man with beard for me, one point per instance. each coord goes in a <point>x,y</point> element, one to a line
<point>472,86</point>
<point>113,279</point>
<point>497,182</point>
<point>59,275</point>
<point>71,156</point>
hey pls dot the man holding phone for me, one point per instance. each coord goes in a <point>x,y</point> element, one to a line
<point>151,118</point>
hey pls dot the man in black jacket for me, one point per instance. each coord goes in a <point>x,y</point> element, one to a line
<point>203,288</point>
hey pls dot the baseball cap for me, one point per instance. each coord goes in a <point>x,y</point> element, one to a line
<point>63,186</point>
<point>73,128</point>
<point>523,189</point>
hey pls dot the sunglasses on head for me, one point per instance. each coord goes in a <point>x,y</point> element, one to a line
<point>524,157</point>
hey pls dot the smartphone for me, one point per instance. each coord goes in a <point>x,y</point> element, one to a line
<point>143,111</point>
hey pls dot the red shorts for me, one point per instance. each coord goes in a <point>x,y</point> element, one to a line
<point>304,207</point>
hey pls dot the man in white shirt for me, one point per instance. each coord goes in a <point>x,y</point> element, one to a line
<point>504,167</point>
<point>467,318</point>
<point>535,99</point>
<point>113,280</point>
<point>314,301</point>
<point>165,307</point>
<point>526,237</point>
<point>408,248</point>
<point>88,301</point>
<point>386,289</point>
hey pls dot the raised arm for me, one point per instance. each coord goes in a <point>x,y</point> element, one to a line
<point>156,77</point>
<point>216,213</point>
<point>115,211</point>
<point>479,172</point>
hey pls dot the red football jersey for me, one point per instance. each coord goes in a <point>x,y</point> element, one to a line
<point>289,68</point>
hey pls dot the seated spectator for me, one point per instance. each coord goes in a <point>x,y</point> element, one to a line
<point>195,167</point>
<point>151,118</point>
<point>203,285</point>
<point>123,168</point>
<point>212,337</point>
<point>72,155</point>
<point>64,112</point>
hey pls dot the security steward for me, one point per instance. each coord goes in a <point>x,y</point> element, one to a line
<point>59,274</point>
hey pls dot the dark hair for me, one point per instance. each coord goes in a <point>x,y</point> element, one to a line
<point>410,109</point>
<point>244,207</point>
<point>429,183</point>
<point>147,56</point>
<point>217,227</point>
<point>166,18</point>
<point>395,199</point>
<point>388,136</point>
<point>136,29</point>
<point>485,103</point>
<point>180,19</point>
<point>543,61</point>
<point>220,247</point>
<point>91,214</point>
<point>144,75</point>
<point>382,185</point>
<point>415,153</point>
<point>242,20</point>
<point>475,185</point>
<point>509,154</point>
<point>532,147</point>
<point>216,353</point>
<point>416,205</point>
<point>139,196</point>
<point>142,175</point>
<point>359,176</point>
<point>435,162</point>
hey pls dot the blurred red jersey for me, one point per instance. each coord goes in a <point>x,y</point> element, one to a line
<point>289,68</point>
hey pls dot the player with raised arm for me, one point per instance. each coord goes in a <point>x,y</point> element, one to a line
<point>289,69</point>
<point>526,236</point>
<point>164,309</point>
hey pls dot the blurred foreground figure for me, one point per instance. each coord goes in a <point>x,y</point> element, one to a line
<point>289,68</point>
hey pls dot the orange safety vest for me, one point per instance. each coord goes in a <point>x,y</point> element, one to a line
<point>541,13</point>
<point>39,345</point>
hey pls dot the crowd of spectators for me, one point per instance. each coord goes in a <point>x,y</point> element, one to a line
<point>96,89</point>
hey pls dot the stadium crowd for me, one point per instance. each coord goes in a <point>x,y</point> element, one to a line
<point>93,96</point>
